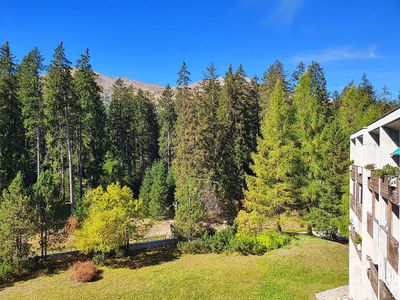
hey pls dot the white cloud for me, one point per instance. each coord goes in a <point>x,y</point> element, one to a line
<point>336,54</point>
<point>286,11</point>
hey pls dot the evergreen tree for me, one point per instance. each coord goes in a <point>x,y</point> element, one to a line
<point>272,189</point>
<point>92,120</point>
<point>121,134</point>
<point>318,87</point>
<point>300,69</point>
<point>30,93</point>
<point>275,72</point>
<point>145,129</point>
<point>16,219</point>
<point>61,111</point>
<point>327,215</point>
<point>48,208</point>
<point>167,119</point>
<point>154,191</point>
<point>308,124</point>
<point>11,124</point>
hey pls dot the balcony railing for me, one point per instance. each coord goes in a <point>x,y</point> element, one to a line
<point>384,292</point>
<point>393,252</point>
<point>356,173</point>
<point>372,274</point>
<point>373,182</point>
<point>389,189</point>
<point>356,239</point>
<point>356,206</point>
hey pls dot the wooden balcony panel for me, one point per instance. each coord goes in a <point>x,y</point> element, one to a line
<point>372,274</point>
<point>353,239</point>
<point>384,292</point>
<point>373,182</point>
<point>370,224</point>
<point>353,172</point>
<point>352,203</point>
<point>359,211</point>
<point>393,252</point>
<point>388,192</point>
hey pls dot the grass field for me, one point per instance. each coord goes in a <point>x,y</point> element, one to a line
<point>306,266</point>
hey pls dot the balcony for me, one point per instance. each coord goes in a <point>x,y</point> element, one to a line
<point>356,206</point>
<point>393,252</point>
<point>384,292</point>
<point>390,190</point>
<point>356,239</point>
<point>372,274</point>
<point>356,173</point>
<point>370,224</point>
<point>373,182</point>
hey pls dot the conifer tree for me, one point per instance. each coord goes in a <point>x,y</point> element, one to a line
<point>318,87</point>
<point>92,120</point>
<point>11,124</point>
<point>61,110</point>
<point>308,124</point>
<point>167,120</point>
<point>30,93</point>
<point>16,220</point>
<point>275,72</point>
<point>145,129</point>
<point>272,189</point>
<point>300,69</point>
<point>121,133</point>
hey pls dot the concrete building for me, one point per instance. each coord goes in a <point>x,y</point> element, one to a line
<point>374,210</point>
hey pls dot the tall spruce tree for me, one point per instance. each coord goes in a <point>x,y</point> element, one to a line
<point>167,120</point>
<point>121,134</point>
<point>11,124</point>
<point>318,87</point>
<point>30,93</point>
<point>61,110</point>
<point>275,72</point>
<point>92,120</point>
<point>272,189</point>
<point>145,129</point>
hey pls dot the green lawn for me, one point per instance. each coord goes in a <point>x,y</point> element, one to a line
<point>307,266</point>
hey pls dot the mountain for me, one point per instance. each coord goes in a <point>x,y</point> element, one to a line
<point>106,83</point>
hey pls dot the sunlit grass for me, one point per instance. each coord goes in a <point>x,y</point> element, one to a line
<point>307,266</point>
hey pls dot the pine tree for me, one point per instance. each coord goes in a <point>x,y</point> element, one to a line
<point>272,189</point>
<point>61,110</point>
<point>167,120</point>
<point>92,120</point>
<point>30,93</point>
<point>11,124</point>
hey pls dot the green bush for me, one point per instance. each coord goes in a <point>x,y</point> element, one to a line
<point>227,241</point>
<point>6,271</point>
<point>260,243</point>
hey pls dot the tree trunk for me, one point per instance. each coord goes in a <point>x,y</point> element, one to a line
<point>70,162</point>
<point>38,151</point>
<point>62,175</point>
<point>80,161</point>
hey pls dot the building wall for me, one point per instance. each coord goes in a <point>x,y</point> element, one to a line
<point>373,145</point>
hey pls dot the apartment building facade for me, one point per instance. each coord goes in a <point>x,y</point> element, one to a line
<point>374,211</point>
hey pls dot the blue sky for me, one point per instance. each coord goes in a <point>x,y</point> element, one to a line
<point>147,40</point>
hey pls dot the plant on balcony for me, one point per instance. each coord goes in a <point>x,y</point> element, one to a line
<point>388,170</point>
<point>369,167</point>
<point>357,238</point>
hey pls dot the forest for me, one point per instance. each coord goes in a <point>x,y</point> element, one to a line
<point>257,155</point>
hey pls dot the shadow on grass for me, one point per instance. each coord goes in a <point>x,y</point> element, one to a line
<point>41,268</point>
<point>144,259</point>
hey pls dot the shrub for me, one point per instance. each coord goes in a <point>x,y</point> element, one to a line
<point>71,225</point>
<point>222,240</point>
<point>6,271</point>
<point>84,271</point>
<point>198,246</point>
<point>260,243</point>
